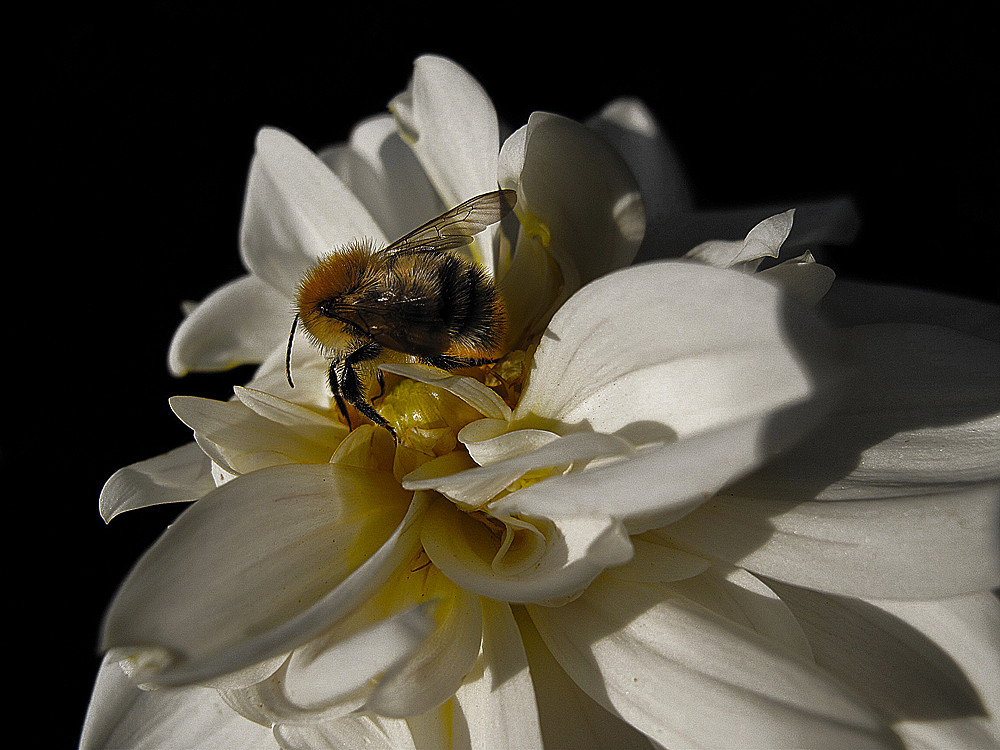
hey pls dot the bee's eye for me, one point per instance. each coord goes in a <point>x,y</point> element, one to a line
<point>327,308</point>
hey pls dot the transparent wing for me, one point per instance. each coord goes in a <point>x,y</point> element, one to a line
<point>457,227</point>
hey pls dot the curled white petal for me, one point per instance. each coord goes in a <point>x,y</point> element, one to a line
<point>763,241</point>
<point>341,532</point>
<point>181,475</point>
<point>237,324</point>
<point>565,553</point>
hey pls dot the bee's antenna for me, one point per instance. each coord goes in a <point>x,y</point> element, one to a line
<point>288,352</point>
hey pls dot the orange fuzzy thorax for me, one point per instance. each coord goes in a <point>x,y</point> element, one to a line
<point>339,273</point>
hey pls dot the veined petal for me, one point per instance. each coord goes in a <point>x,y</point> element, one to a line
<point>475,487</point>
<point>497,699</point>
<point>720,390</point>
<point>923,416</point>
<point>195,718</point>
<point>549,562</point>
<point>577,195</point>
<point>236,324</point>
<point>488,440</point>
<point>347,733</point>
<point>743,598</point>
<point>316,674</point>
<point>922,547</point>
<point>304,422</point>
<point>671,667</point>
<point>380,168</point>
<point>287,218</point>
<point>181,475</point>
<point>898,669</point>
<point>259,566</point>
<point>450,123</point>
<point>240,440</point>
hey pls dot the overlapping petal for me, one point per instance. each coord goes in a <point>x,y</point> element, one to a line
<point>287,221</point>
<point>578,201</point>
<point>671,666</point>
<point>381,169</point>
<point>721,391</point>
<point>194,718</point>
<point>451,125</point>
<point>259,566</point>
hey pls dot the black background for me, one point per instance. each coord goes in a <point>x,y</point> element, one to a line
<point>137,130</point>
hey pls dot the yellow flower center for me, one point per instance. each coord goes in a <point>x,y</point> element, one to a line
<point>426,418</point>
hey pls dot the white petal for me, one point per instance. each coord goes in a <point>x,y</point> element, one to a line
<point>451,125</point>
<point>763,241</point>
<point>722,347</point>
<point>347,733</point>
<point>239,323</point>
<point>803,277</point>
<point>475,487</point>
<point>575,188</point>
<point>436,670</point>
<point>574,550</point>
<point>497,699</point>
<point>296,211</point>
<point>828,222</point>
<point>121,715</point>
<point>922,414</point>
<point>318,676</point>
<point>182,475</point>
<point>304,422</point>
<point>240,440</point>
<point>261,565</point>
<point>904,673</point>
<point>634,131</point>
<point>569,717</point>
<point>488,442</point>
<point>734,372</point>
<point>672,667</point>
<point>968,629</point>
<point>922,547</point>
<point>382,170</point>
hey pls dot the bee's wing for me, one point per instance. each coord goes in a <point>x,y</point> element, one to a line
<point>457,227</point>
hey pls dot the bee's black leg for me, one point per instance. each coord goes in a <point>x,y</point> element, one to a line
<point>350,387</point>
<point>335,389</point>
<point>447,362</point>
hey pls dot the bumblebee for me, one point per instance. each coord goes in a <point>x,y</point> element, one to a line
<point>415,297</point>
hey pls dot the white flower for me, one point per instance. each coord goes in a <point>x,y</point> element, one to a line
<point>683,512</point>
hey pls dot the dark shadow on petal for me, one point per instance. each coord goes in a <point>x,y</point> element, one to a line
<point>895,667</point>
